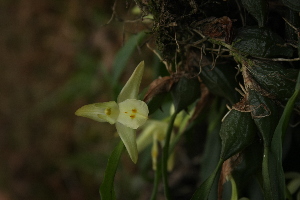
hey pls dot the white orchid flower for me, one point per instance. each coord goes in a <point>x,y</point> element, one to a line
<point>154,131</point>
<point>127,113</point>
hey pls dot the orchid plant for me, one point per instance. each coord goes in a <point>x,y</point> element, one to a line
<point>154,132</point>
<point>128,113</point>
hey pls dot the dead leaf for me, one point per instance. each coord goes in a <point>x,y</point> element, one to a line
<point>159,86</point>
<point>227,168</point>
<point>217,28</point>
<point>203,102</point>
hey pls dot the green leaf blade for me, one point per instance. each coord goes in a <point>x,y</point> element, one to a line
<point>258,9</point>
<point>261,42</point>
<point>274,163</point>
<point>237,132</point>
<point>107,187</point>
<point>123,56</point>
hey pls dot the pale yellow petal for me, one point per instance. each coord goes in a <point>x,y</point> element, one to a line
<point>145,137</point>
<point>150,128</point>
<point>101,112</point>
<point>131,88</point>
<point>128,136</point>
<point>154,152</point>
<point>133,113</point>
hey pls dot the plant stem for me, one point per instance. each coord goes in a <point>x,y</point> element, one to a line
<point>156,180</point>
<point>166,155</point>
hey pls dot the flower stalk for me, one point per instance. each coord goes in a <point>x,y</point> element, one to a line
<point>165,156</point>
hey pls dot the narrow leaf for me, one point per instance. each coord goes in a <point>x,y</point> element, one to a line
<point>123,56</point>
<point>276,145</point>
<point>273,177</point>
<point>107,187</point>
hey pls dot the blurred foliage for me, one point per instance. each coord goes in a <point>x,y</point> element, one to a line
<point>55,57</point>
<point>59,55</point>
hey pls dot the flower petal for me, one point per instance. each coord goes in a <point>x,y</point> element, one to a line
<point>131,88</point>
<point>128,136</point>
<point>145,137</point>
<point>101,112</point>
<point>150,128</point>
<point>133,113</point>
<point>154,152</point>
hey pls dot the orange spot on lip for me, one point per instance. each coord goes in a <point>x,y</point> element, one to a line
<point>134,110</point>
<point>107,111</point>
<point>132,116</point>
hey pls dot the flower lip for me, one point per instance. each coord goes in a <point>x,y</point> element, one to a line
<point>133,113</point>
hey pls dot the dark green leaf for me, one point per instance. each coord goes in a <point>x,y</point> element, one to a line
<point>261,42</point>
<point>220,80</point>
<point>185,92</point>
<point>265,114</point>
<point>274,78</point>
<point>273,173</point>
<point>293,18</point>
<point>258,9</point>
<point>292,4</point>
<point>107,187</point>
<point>123,56</point>
<point>237,132</point>
<point>273,176</point>
<point>156,102</point>
<point>251,163</point>
<point>211,158</point>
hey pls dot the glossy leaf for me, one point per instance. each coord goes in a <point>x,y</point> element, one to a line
<point>261,42</point>
<point>258,9</point>
<point>265,114</point>
<point>274,78</point>
<point>237,132</point>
